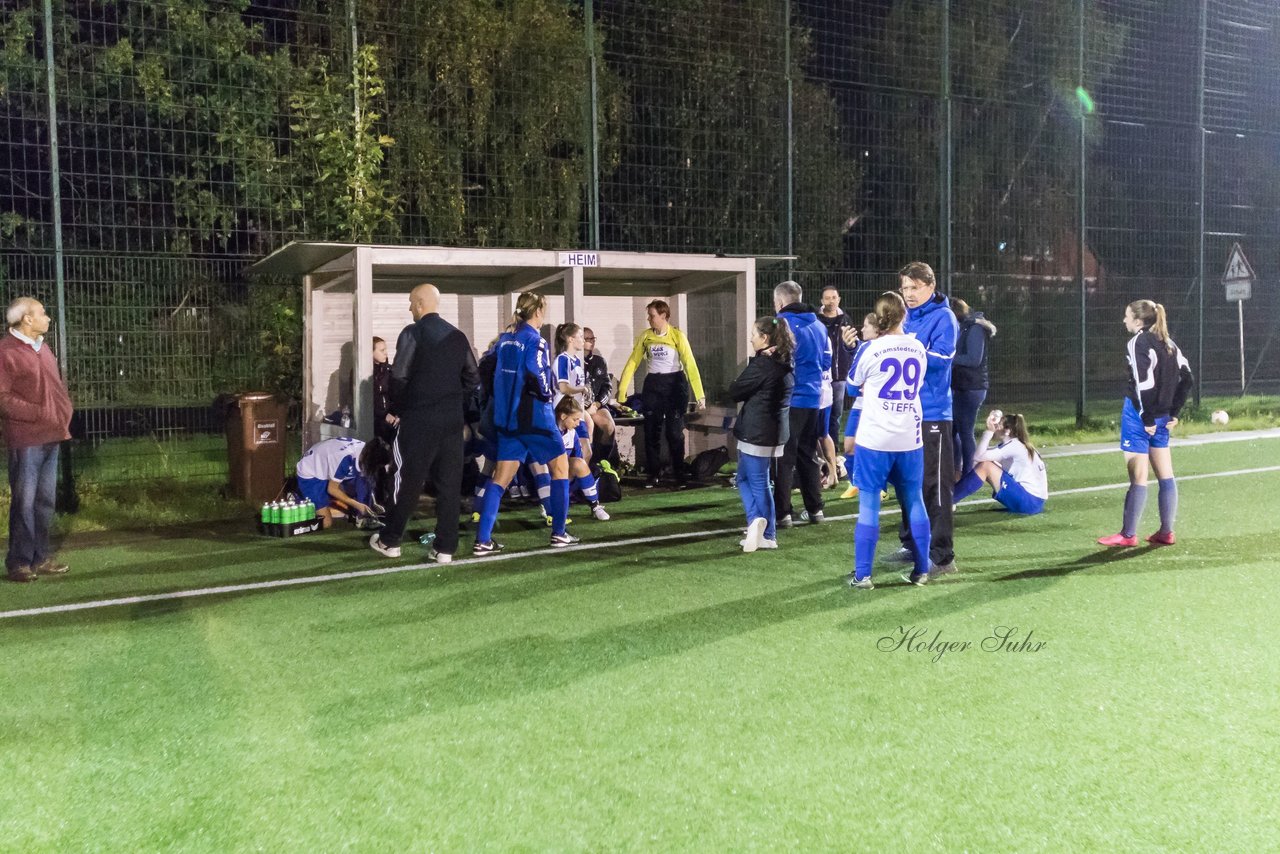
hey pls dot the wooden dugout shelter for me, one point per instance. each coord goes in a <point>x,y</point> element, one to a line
<point>353,292</point>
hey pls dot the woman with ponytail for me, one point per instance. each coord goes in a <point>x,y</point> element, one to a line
<point>1159,381</point>
<point>523,417</point>
<point>763,424</point>
<point>1013,468</point>
<point>890,448</point>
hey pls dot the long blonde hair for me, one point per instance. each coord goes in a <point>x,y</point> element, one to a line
<point>1153,320</point>
<point>890,311</point>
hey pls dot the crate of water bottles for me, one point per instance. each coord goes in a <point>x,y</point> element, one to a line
<point>288,518</point>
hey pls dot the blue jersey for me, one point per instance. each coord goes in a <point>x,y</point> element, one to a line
<point>523,387</point>
<point>935,326</point>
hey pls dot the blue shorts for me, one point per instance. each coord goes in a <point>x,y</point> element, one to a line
<point>316,490</point>
<point>874,470</point>
<point>851,426</point>
<point>1134,437</point>
<point>574,453</point>
<point>540,447</point>
<point>824,421</point>
<point>1015,497</point>
<point>584,432</point>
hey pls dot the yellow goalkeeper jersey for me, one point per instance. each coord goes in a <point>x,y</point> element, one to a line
<point>665,354</point>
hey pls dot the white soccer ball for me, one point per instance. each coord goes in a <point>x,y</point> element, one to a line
<point>1219,416</point>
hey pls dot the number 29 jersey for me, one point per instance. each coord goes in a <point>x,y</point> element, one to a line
<point>890,374</point>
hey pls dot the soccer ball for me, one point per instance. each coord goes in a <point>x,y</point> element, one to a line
<point>1219,416</point>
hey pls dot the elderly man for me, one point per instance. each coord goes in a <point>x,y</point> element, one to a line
<point>36,410</point>
<point>432,379</point>
<point>812,359</point>
<point>931,322</point>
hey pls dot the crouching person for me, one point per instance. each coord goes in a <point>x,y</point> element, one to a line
<point>338,476</point>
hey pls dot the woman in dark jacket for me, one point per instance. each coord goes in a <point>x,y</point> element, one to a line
<point>763,424</point>
<point>969,380</point>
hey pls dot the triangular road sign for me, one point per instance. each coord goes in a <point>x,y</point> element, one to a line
<point>1238,269</point>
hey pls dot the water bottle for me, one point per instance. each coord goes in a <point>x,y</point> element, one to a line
<point>266,513</point>
<point>345,420</point>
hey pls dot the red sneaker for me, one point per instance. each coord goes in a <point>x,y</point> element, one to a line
<point>1118,540</point>
<point>1162,538</point>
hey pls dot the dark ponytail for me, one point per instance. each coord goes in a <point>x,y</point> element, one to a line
<point>777,335</point>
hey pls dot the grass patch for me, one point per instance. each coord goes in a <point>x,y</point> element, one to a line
<point>667,694</point>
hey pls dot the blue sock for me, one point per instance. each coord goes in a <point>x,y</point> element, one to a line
<point>968,485</point>
<point>1168,498</point>
<point>865,538</point>
<point>1134,502</point>
<point>543,481</point>
<point>921,536</point>
<point>587,483</point>
<point>489,512</point>
<point>559,504</point>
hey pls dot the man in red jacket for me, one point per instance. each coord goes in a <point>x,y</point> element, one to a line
<point>35,410</point>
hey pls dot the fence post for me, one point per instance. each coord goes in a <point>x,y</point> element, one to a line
<point>1202,152</point>
<point>791,139</point>
<point>944,157</point>
<point>68,501</point>
<point>1081,218</point>
<point>593,128</point>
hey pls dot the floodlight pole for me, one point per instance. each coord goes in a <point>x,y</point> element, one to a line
<point>1081,222</point>
<point>593,129</point>
<point>355,97</point>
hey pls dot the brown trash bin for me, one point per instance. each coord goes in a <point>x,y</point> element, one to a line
<point>255,446</point>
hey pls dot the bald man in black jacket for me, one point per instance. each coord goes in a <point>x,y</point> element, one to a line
<point>432,380</point>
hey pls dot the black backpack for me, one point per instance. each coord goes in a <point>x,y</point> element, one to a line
<point>705,465</point>
<point>608,487</point>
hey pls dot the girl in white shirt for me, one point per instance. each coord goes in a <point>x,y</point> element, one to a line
<point>1013,468</point>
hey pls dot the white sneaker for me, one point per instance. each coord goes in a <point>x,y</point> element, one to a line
<point>755,533</point>
<point>600,513</point>
<point>768,544</point>
<point>439,557</point>
<point>386,551</point>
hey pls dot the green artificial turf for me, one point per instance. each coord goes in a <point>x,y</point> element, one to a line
<point>667,694</point>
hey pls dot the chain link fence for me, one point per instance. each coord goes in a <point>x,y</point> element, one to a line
<point>1053,159</point>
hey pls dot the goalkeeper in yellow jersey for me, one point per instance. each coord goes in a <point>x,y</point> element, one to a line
<point>672,377</point>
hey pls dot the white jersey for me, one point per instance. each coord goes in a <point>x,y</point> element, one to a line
<point>828,395</point>
<point>332,459</point>
<point>569,370</point>
<point>890,373</point>
<point>1027,470</point>
<point>570,440</point>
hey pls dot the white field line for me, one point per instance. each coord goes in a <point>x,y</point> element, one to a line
<point>736,530</point>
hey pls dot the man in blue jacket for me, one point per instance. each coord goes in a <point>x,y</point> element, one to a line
<point>812,358</point>
<point>931,322</point>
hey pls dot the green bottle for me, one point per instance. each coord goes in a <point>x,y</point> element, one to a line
<point>266,513</point>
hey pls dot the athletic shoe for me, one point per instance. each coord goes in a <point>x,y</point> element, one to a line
<point>551,521</point>
<point>475,517</point>
<point>785,522</point>
<point>884,495</point>
<point>22,574</point>
<point>902,555</point>
<point>859,584</point>
<point>768,544</point>
<point>559,541</point>
<point>369,523</point>
<point>49,566</point>
<point>936,569</point>
<point>755,533</point>
<point>599,512</point>
<point>386,551</point>
<point>1159,538</point>
<point>849,492</point>
<point>438,557</point>
<point>812,519</point>
<point>651,481</point>
<point>1118,540</point>
<point>919,579</point>
<point>489,548</point>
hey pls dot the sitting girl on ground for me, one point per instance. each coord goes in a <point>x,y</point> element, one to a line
<point>1013,468</point>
